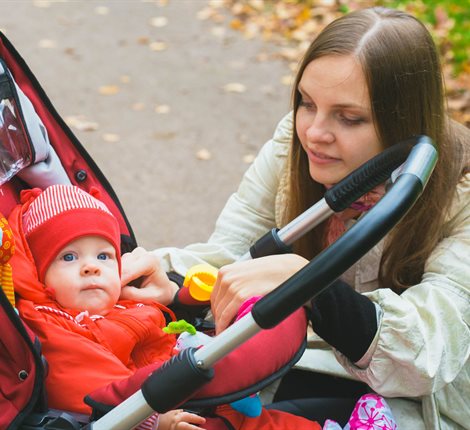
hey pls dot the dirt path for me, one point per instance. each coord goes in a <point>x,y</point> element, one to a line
<point>144,87</point>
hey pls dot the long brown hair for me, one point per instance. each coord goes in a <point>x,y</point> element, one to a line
<point>404,78</point>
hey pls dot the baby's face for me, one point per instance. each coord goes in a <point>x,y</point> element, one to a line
<point>85,276</point>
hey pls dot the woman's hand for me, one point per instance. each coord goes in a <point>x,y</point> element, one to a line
<point>239,281</point>
<point>180,420</point>
<point>155,287</point>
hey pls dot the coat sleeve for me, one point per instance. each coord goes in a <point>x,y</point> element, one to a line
<point>248,214</point>
<point>423,338</point>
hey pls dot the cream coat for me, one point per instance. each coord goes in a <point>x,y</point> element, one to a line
<point>420,358</point>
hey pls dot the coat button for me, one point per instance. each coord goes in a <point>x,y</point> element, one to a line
<point>22,375</point>
<point>81,175</point>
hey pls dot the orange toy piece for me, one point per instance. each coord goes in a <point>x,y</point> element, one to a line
<point>200,280</point>
<point>7,249</point>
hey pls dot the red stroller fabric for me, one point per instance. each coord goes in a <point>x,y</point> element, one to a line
<point>21,378</point>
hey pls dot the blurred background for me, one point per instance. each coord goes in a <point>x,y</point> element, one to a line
<point>174,98</point>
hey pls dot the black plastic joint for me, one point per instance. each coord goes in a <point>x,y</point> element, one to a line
<point>175,381</point>
<point>269,244</point>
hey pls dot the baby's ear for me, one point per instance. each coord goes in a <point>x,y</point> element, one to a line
<point>95,192</point>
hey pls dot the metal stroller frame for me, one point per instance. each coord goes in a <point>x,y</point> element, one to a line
<point>185,373</point>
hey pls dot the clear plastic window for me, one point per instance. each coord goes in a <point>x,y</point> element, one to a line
<point>15,151</point>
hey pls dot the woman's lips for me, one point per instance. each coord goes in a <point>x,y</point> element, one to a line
<point>320,158</point>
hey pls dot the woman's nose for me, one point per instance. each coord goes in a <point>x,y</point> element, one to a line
<point>320,131</point>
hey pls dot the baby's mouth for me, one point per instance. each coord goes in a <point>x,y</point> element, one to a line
<point>92,287</point>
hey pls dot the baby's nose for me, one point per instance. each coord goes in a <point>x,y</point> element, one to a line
<point>90,269</point>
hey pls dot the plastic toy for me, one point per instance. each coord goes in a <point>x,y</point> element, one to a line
<point>200,280</point>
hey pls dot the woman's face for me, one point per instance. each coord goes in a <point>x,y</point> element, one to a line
<point>334,119</point>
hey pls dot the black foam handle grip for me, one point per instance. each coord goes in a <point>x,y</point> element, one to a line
<point>175,381</point>
<point>372,173</point>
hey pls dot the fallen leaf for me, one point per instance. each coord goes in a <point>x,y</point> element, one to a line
<point>218,31</point>
<point>108,90</point>
<point>138,106</point>
<point>70,51</point>
<point>159,21</point>
<point>250,31</point>
<point>215,4</point>
<point>236,24</point>
<point>42,3</point>
<point>143,40</point>
<point>257,4</point>
<point>111,137</point>
<point>248,158</point>
<point>268,90</point>
<point>162,109</point>
<point>243,138</point>
<point>218,18</point>
<point>80,123</point>
<point>262,57</point>
<point>203,154</point>
<point>158,46</point>
<point>235,87</point>
<point>164,135</point>
<point>47,43</point>
<point>102,10</point>
<point>204,14</point>
<point>287,80</point>
<point>459,102</point>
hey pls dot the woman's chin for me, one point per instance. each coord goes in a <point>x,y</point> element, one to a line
<point>326,176</point>
<point>326,180</point>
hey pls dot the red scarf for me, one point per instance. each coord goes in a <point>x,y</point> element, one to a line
<point>336,224</point>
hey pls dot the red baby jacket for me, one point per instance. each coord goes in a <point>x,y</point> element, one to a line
<point>87,352</point>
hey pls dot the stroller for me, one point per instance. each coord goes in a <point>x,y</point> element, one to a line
<point>41,150</point>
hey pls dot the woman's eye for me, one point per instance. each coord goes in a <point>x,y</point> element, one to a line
<point>306,104</point>
<point>68,257</point>
<point>351,120</point>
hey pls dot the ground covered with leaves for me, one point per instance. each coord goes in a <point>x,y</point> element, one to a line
<point>290,25</point>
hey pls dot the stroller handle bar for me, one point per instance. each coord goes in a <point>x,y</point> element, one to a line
<point>189,371</point>
<point>372,173</point>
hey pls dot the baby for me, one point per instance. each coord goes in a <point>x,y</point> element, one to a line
<point>75,243</point>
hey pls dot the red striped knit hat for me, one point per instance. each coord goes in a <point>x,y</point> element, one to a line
<point>60,214</point>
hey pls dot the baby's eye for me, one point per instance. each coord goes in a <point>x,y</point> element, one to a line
<point>103,256</point>
<point>68,257</point>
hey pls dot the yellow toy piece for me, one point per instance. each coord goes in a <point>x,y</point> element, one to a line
<point>200,280</point>
<point>7,249</point>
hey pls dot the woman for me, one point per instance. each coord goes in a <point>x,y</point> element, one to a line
<point>399,319</point>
